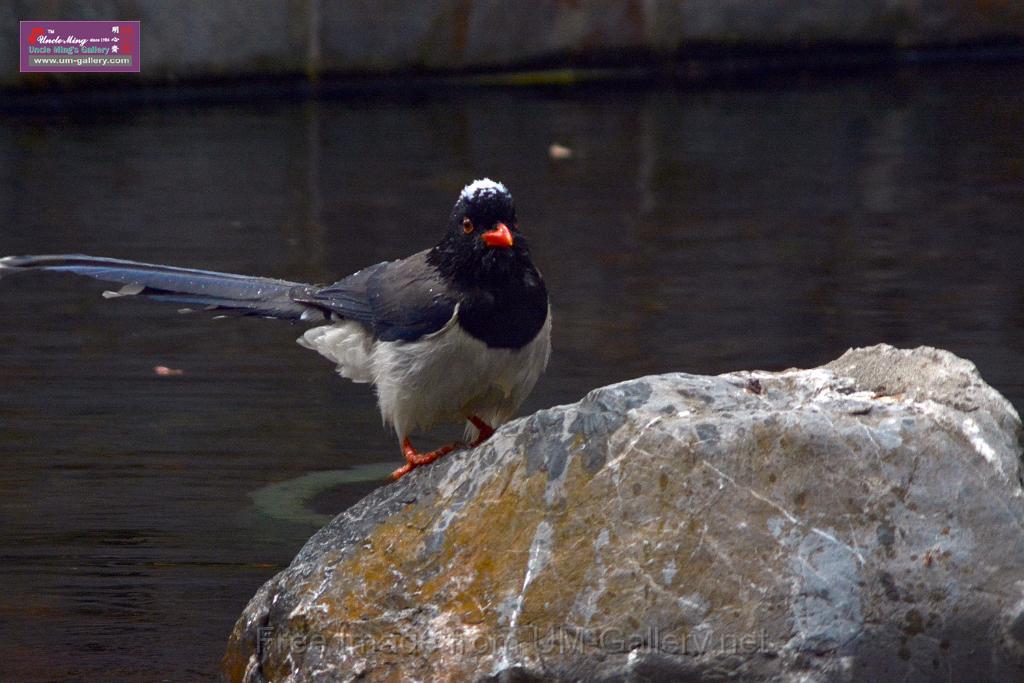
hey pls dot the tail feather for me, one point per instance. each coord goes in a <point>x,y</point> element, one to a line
<point>202,288</point>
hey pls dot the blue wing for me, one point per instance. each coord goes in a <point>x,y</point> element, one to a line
<point>399,300</point>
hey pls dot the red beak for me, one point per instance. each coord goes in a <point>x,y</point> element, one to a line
<point>500,237</point>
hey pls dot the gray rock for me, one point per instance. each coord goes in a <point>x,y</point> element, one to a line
<point>859,521</point>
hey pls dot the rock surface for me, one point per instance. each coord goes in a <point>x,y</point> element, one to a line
<point>859,521</point>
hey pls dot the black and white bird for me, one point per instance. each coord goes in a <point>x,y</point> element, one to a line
<point>457,332</point>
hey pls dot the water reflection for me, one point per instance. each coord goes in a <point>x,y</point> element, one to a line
<point>698,231</point>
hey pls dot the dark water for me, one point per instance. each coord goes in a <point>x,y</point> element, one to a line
<point>699,231</point>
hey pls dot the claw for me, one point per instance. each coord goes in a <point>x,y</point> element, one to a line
<point>413,459</point>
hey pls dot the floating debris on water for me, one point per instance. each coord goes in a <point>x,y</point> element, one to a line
<point>559,152</point>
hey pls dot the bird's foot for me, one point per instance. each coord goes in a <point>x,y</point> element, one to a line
<point>413,459</point>
<point>485,430</point>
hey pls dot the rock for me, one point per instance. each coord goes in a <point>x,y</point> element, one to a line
<point>859,521</point>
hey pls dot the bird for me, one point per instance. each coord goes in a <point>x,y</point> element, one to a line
<point>456,333</point>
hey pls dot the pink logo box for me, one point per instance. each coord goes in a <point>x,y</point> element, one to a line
<point>80,46</point>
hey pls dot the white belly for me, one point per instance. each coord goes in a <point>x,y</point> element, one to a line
<point>444,377</point>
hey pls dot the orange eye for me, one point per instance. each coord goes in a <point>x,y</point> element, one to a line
<point>467,226</point>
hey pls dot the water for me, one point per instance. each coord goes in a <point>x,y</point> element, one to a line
<point>702,231</point>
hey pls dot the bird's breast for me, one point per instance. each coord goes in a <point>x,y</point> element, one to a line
<point>451,374</point>
<point>505,320</point>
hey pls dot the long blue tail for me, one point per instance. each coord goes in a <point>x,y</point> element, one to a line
<point>199,288</point>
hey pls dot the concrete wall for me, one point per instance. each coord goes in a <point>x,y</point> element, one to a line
<point>199,39</point>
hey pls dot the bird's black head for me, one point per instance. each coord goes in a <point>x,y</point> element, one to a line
<point>483,244</point>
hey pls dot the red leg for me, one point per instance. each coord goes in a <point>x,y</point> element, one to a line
<point>414,459</point>
<point>486,430</point>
